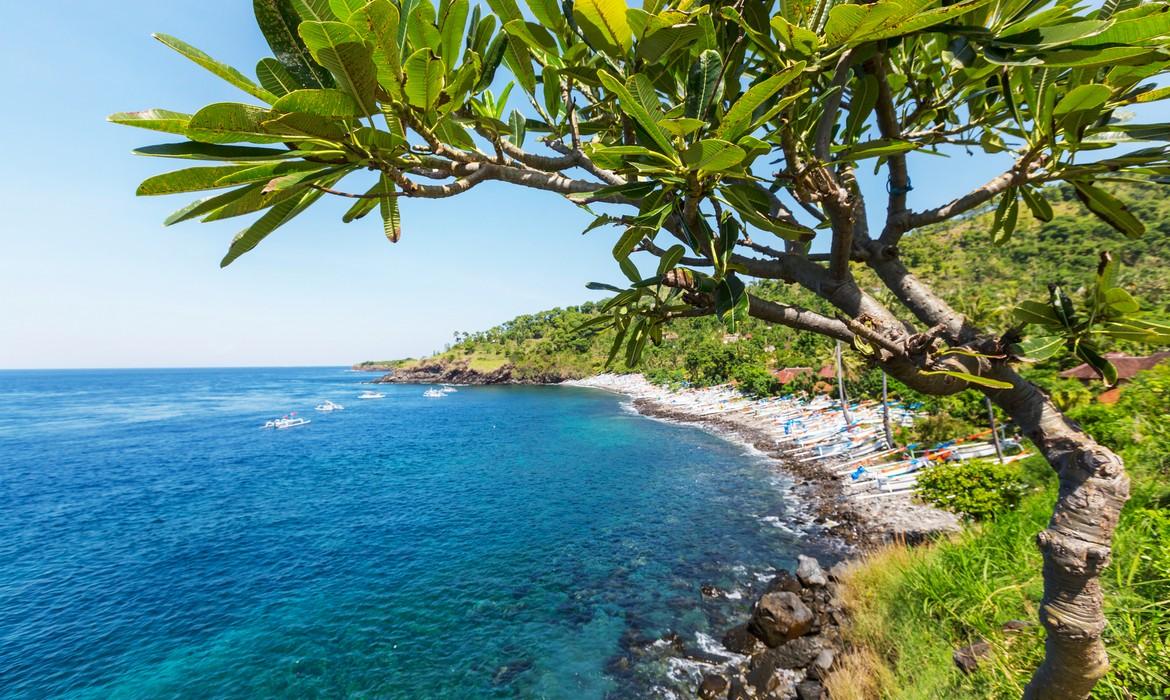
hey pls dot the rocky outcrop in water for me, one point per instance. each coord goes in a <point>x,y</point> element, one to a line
<point>790,642</point>
<point>460,373</point>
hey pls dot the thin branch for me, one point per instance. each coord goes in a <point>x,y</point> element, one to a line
<point>648,246</point>
<point>798,318</point>
<point>350,195</point>
<point>887,120</point>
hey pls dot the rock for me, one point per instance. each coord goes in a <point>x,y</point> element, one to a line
<point>738,690</point>
<point>1017,625</point>
<point>837,571</point>
<point>811,690</point>
<point>820,666</point>
<point>710,591</point>
<point>797,653</point>
<point>779,617</point>
<point>809,571</point>
<point>741,641</point>
<point>713,686</point>
<point>967,658</point>
<point>784,581</point>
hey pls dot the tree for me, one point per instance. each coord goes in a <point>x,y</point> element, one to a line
<point>721,138</point>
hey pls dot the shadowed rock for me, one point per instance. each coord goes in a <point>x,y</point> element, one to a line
<point>779,617</point>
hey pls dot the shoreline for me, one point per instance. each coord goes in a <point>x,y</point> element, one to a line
<point>895,517</point>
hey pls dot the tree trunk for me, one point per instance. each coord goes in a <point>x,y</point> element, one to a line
<point>1076,543</point>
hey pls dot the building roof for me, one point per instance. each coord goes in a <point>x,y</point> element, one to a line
<point>1127,365</point>
<point>788,374</point>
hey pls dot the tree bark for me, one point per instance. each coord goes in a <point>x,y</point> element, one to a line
<point>1076,543</point>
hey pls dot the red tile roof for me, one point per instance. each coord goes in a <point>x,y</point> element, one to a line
<point>1127,365</point>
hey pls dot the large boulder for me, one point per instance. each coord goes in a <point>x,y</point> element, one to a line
<point>809,571</point>
<point>713,686</point>
<point>784,581</point>
<point>793,654</point>
<point>779,617</point>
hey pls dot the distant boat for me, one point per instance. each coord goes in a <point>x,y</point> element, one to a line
<point>434,393</point>
<point>371,395</point>
<point>329,406</point>
<point>448,389</point>
<point>289,421</point>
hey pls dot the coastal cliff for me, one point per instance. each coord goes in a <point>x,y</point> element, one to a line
<point>464,372</point>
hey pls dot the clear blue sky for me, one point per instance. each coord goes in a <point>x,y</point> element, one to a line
<point>89,277</point>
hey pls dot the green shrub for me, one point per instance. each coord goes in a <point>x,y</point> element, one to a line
<point>976,489</point>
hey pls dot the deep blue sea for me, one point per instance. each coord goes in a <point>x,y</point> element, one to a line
<point>501,542</point>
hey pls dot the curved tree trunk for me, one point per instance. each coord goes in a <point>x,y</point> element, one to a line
<point>1076,543</point>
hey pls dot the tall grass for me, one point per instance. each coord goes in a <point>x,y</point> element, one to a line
<point>912,607</point>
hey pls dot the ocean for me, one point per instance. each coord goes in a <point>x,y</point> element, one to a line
<point>499,542</point>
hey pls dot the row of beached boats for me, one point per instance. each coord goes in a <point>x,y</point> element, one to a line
<point>292,420</point>
<point>853,440</point>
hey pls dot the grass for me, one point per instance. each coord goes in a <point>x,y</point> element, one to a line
<point>912,607</point>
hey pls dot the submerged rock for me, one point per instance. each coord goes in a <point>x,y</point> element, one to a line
<point>741,641</point>
<point>779,617</point>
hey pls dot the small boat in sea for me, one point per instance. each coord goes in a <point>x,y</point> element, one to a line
<point>284,422</point>
<point>371,395</point>
<point>329,407</point>
<point>448,389</point>
<point>434,393</point>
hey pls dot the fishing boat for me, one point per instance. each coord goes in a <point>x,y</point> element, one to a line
<point>371,395</point>
<point>434,393</point>
<point>448,389</point>
<point>329,407</point>
<point>284,422</point>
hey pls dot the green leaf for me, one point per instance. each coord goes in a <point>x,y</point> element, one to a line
<point>682,126</point>
<point>1120,301</point>
<point>339,48</point>
<point>322,103</point>
<point>424,79</point>
<point>363,206</point>
<point>452,23</point>
<point>279,215</point>
<point>972,379</point>
<point>391,219</point>
<point>876,149</point>
<point>275,77</point>
<point>318,10</point>
<point>1104,368</point>
<point>1082,98</point>
<point>230,122</point>
<point>1038,348</point>
<point>670,258</point>
<point>206,205</point>
<point>154,119</point>
<point>344,9</point>
<point>627,242</point>
<point>267,171</point>
<point>188,180</point>
<point>205,151</point>
<point>731,301</point>
<point>1034,312</point>
<point>1006,215</point>
<point>377,22</point>
<point>1109,209</point>
<point>756,209</point>
<point>702,83</point>
<point>225,72</point>
<point>603,287</point>
<point>739,116</point>
<point>518,124</point>
<point>636,111</point>
<point>1037,204</point>
<point>713,155</point>
<point>278,21</point>
<point>604,24</point>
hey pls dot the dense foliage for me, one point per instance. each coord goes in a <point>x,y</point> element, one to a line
<point>976,489</point>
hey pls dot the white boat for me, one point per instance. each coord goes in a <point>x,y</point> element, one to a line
<point>289,421</point>
<point>329,406</point>
<point>434,393</point>
<point>371,395</point>
<point>448,389</point>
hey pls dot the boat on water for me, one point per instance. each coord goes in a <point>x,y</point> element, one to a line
<point>448,389</point>
<point>434,393</point>
<point>284,422</point>
<point>371,395</point>
<point>329,406</point>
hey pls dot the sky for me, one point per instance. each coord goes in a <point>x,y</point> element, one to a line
<point>89,277</point>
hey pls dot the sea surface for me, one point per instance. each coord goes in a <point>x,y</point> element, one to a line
<point>500,542</point>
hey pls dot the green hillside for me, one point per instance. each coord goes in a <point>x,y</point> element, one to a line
<point>981,282</point>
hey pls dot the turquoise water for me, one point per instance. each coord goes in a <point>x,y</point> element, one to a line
<point>500,542</point>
